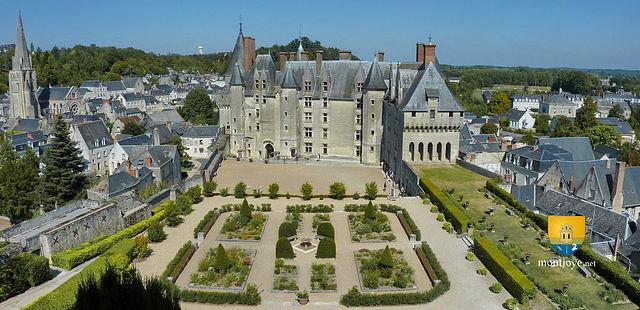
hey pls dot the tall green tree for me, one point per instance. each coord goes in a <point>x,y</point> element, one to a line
<point>489,128</point>
<point>19,182</point>
<point>630,153</point>
<point>198,108</point>
<point>63,174</point>
<point>499,103</point>
<point>616,112</point>
<point>603,135</point>
<point>133,128</point>
<point>542,124</point>
<point>565,127</point>
<point>586,116</point>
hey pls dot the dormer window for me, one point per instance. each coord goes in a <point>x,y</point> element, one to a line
<point>325,86</point>
<point>359,87</point>
<point>257,84</point>
<point>264,83</point>
<point>307,85</point>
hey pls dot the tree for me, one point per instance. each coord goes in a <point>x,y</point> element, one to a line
<point>337,190</point>
<point>504,122</point>
<point>240,190</point>
<point>198,108</point>
<point>126,290</point>
<point>184,156</point>
<point>586,116</point>
<point>528,138</point>
<point>221,260</point>
<point>489,128</point>
<point>370,211</point>
<point>630,153</point>
<point>274,188</point>
<point>284,249</point>
<point>576,82</point>
<point>634,119</point>
<point>565,127</point>
<point>209,188</point>
<point>326,248</point>
<point>386,259</point>
<point>141,246</point>
<point>499,103</point>
<point>603,135</point>
<point>19,182</point>
<point>133,128</point>
<point>245,210</point>
<point>325,229</point>
<point>307,191</point>
<point>286,230</point>
<point>155,232</point>
<point>542,124</point>
<point>371,190</point>
<point>63,175</point>
<point>616,112</point>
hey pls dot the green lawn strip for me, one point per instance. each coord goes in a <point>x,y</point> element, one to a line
<point>64,296</point>
<point>467,184</point>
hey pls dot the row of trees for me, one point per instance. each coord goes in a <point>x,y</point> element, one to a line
<point>24,187</point>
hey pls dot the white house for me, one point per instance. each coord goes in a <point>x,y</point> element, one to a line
<point>526,102</point>
<point>199,140</point>
<point>520,119</point>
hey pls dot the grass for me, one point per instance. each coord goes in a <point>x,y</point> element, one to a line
<point>468,184</point>
<point>64,296</point>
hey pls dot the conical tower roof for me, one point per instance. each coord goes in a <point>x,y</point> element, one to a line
<point>21,58</point>
<point>288,80</point>
<point>236,76</point>
<point>375,80</point>
<point>237,56</point>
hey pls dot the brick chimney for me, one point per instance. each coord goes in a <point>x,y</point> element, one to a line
<point>380,56</point>
<point>318,61</point>
<point>148,161</point>
<point>282,59</point>
<point>130,170</point>
<point>249,52</point>
<point>344,55</point>
<point>156,136</point>
<point>618,183</point>
<point>419,52</point>
<point>304,55</point>
<point>426,52</point>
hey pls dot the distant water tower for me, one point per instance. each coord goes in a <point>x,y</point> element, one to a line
<point>200,50</point>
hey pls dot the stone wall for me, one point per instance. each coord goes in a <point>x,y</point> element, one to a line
<point>477,169</point>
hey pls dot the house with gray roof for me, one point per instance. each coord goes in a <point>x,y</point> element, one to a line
<point>133,84</point>
<point>95,143</point>
<point>525,101</point>
<point>115,88</point>
<point>96,90</point>
<point>482,150</point>
<point>520,119</point>
<point>621,127</point>
<point>126,148</point>
<point>579,147</point>
<point>162,160</point>
<point>604,107</point>
<point>199,140</point>
<point>558,104</point>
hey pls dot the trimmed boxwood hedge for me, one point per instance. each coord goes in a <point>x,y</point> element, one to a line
<point>286,230</point>
<point>308,208</point>
<point>206,223</point>
<point>325,229</point>
<point>392,209</point>
<point>355,298</point>
<point>492,186</point>
<point>177,264</point>
<point>71,258</point>
<point>503,269</point>
<point>453,213</point>
<point>326,248</point>
<point>284,249</point>
<point>250,296</point>
<point>613,272</point>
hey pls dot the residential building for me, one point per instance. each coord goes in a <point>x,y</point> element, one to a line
<point>199,141</point>
<point>557,105</point>
<point>482,150</point>
<point>95,90</point>
<point>621,127</point>
<point>95,143</point>
<point>133,84</point>
<point>520,119</point>
<point>525,102</point>
<point>118,125</point>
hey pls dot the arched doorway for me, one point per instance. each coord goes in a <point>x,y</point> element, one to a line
<point>421,151</point>
<point>430,151</point>
<point>439,151</point>
<point>411,150</point>
<point>448,151</point>
<point>269,150</point>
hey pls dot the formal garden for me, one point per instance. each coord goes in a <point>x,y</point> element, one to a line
<point>384,270</point>
<point>369,225</point>
<point>244,224</point>
<point>227,268</point>
<point>285,276</point>
<point>323,277</point>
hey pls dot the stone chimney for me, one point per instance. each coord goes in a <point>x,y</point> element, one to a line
<point>304,55</point>
<point>380,56</point>
<point>571,184</point>
<point>130,170</point>
<point>618,183</point>
<point>282,59</point>
<point>249,52</point>
<point>616,247</point>
<point>148,161</point>
<point>318,61</point>
<point>292,56</point>
<point>344,55</point>
<point>156,136</point>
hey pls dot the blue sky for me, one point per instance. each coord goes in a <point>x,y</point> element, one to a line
<point>582,34</point>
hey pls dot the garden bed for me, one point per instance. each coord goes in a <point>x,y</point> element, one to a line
<point>319,218</point>
<point>239,227</point>
<point>323,278</point>
<point>378,271</point>
<point>233,276</point>
<point>285,277</point>
<point>371,226</point>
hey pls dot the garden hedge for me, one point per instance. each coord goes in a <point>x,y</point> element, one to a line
<point>286,230</point>
<point>206,223</point>
<point>613,272</point>
<point>308,208</point>
<point>493,186</point>
<point>250,296</point>
<point>355,298</point>
<point>284,249</point>
<point>325,229</point>
<point>453,213</point>
<point>20,272</point>
<point>503,269</point>
<point>391,209</point>
<point>177,264</point>
<point>326,248</point>
<point>74,257</point>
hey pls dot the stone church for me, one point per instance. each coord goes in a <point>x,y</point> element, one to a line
<point>367,111</point>
<point>22,80</point>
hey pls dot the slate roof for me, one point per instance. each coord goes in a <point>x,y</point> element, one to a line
<point>288,80</point>
<point>169,115</point>
<point>121,181</point>
<point>602,150</point>
<point>631,187</point>
<point>94,131</point>
<point>25,125</point>
<point>375,80</point>
<point>528,97</point>
<point>202,132</point>
<point>579,147</point>
<point>558,99</point>
<point>236,76</point>
<point>165,133</point>
<point>164,87</point>
<point>263,69</point>
<point>414,99</point>
<point>91,84</point>
<point>579,170</point>
<point>142,139</point>
<point>115,86</point>
<point>46,94</point>
<point>514,115</point>
<point>237,56</point>
<point>620,127</point>
<point>130,81</point>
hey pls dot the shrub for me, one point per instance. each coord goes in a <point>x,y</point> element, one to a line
<point>240,190</point>
<point>307,191</point>
<point>503,269</point>
<point>496,287</point>
<point>511,303</point>
<point>206,223</point>
<point>221,260</point>
<point>320,208</point>
<point>284,249</point>
<point>371,190</point>
<point>141,246</point>
<point>356,196</point>
<point>119,261</point>
<point>209,188</point>
<point>250,296</point>
<point>386,259</point>
<point>257,193</point>
<point>470,256</point>
<point>286,230</point>
<point>337,190</point>
<point>173,213</point>
<point>453,213</point>
<point>155,232</point>
<point>482,271</point>
<point>326,248</point>
<point>370,211</point>
<point>440,217</point>
<point>224,192</point>
<point>195,193</point>
<point>326,230</point>
<point>245,210</point>
<point>274,188</point>
<point>447,227</point>
<point>434,209</point>
<point>179,261</point>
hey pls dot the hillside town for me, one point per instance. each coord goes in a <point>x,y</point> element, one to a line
<point>355,182</point>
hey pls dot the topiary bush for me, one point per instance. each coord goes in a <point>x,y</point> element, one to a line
<point>337,190</point>
<point>195,193</point>
<point>326,248</point>
<point>245,210</point>
<point>274,188</point>
<point>155,232</point>
<point>326,230</point>
<point>209,188</point>
<point>370,211</point>
<point>386,259</point>
<point>141,246</point>
<point>307,191</point>
<point>284,249</point>
<point>496,287</point>
<point>240,190</point>
<point>286,230</point>
<point>221,261</point>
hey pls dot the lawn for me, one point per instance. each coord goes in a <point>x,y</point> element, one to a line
<point>520,241</point>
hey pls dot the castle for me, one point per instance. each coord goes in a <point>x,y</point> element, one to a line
<point>368,111</point>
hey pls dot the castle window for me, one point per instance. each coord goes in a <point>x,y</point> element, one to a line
<point>307,85</point>
<point>257,126</point>
<point>308,148</point>
<point>285,98</point>
<point>264,100</point>
<point>325,86</point>
<point>325,149</point>
<point>257,113</point>
<point>357,135</point>
<point>307,102</point>
<point>371,149</point>
<point>249,114</point>
<point>286,113</point>
<point>413,114</point>
<point>286,128</point>
<point>358,119</point>
<point>373,132</point>
<point>359,103</point>
<point>325,133</point>
<point>325,118</point>
<point>359,87</point>
<point>308,133</point>
<point>373,102</point>
<point>257,84</point>
<point>307,117</point>
<point>325,102</point>
<point>432,113</point>
<point>264,83</point>
<point>450,114</point>
<point>358,150</point>
<point>373,115</point>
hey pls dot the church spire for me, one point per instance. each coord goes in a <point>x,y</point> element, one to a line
<point>21,58</point>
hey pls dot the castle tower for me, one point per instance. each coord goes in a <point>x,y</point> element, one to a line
<point>22,80</point>
<point>236,92</point>
<point>289,144</point>
<point>372,101</point>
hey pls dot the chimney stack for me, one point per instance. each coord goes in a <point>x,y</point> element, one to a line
<point>419,52</point>
<point>292,56</point>
<point>344,55</point>
<point>618,188</point>
<point>156,136</point>
<point>380,56</point>
<point>426,52</point>
<point>282,59</point>
<point>318,61</point>
<point>305,55</point>
<point>249,52</point>
<point>571,182</point>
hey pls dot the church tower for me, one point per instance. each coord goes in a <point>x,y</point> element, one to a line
<point>22,80</point>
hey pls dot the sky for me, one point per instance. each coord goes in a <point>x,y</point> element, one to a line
<point>541,33</point>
